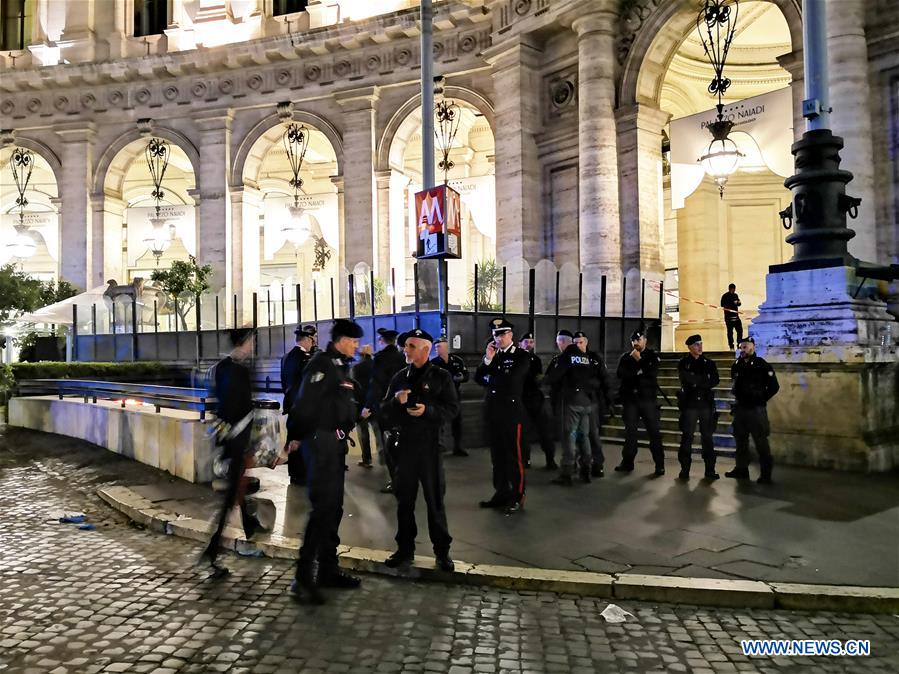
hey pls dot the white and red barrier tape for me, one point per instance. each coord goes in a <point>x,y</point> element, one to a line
<point>658,286</point>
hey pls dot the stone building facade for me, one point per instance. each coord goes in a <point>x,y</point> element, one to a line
<point>570,93</point>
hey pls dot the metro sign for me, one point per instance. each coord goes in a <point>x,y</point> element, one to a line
<point>438,214</point>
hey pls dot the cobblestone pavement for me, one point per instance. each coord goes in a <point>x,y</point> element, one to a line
<point>120,599</point>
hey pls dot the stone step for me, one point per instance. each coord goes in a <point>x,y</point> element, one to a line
<point>669,447</point>
<point>669,435</point>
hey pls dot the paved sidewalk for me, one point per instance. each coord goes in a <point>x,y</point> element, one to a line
<point>812,526</point>
<point>123,599</point>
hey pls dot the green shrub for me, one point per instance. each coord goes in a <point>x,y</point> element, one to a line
<point>101,371</point>
<point>7,381</point>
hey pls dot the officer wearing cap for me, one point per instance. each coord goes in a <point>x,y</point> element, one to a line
<point>292,364</point>
<point>563,339</point>
<point>754,384</point>
<point>386,363</point>
<point>600,403</point>
<point>455,366</point>
<point>637,372</point>
<point>538,424</point>
<point>576,381</point>
<point>420,400</point>
<point>313,332</point>
<point>696,402</point>
<point>503,372</point>
<point>324,412</point>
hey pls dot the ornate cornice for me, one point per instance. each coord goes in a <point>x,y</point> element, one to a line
<point>633,14</point>
<point>270,66</point>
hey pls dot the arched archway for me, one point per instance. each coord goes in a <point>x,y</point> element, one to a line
<point>281,251</point>
<point>400,175</point>
<point>41,213</point>
<point>707,240</point>
<point>122,199</point>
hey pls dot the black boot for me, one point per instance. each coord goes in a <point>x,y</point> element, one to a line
<point>305,589</point>
<point>738,474</point>
<point>597,471</point>
<point>398,559</point>
<point>339,578</point>
<point>563,480</point>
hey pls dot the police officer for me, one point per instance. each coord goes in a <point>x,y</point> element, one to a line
<point>574,376</point>
<point>322,415</point>
<point>637,372</point>
<point>696,401</point>
<point>313,331</point>
<point>292,364</point>
<point>600,402</point>
<point>754,384</point>
<point>455,366</point>
<point>563,339</point>
<point>387,362</point>
<point>362,374</point>
<point>420,400</point>
<point>503,372</point>
<point>538,421</point>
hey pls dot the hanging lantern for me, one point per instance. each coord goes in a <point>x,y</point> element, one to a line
<point>448,116</point>
<point>297,229</point>
<point>296,142</point>
<point>157,155</point>
<point>716,25</point>
<point>160,238</point>
<point>21,164</point>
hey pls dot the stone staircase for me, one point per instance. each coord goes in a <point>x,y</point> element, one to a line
<point>613,430</point>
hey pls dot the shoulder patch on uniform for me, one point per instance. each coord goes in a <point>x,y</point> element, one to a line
<point>317,377</point>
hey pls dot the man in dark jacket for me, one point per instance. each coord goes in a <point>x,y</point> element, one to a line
<point>730,304</point>
<point>754,384</point>
<point>600,403</point>
<point>387,362</point>
<point>637,372</point>
<point>576,381</point>
<point>322,416</point>
<point>503,372</point>
<point>421,398</point>
<point>456,369</point>
<point>563,339</point>
<point>362,374</point>
<point>696,401</point>
<point>292,364</point>
<point>538,422</point>
<point>235,408</point>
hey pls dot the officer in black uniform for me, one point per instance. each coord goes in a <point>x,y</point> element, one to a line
<point>313,331</point>
<point>455,366</point>
<point>503,372</point>
<point>754,384</point>
<point>563,339</point>
<point>420,400</point>
<point>601,402</point>
<point>322,416</point>
<point>362,374</point>
<point>387,362</point>
<point>292,364</point>
<point>696,401</point>
<point>538,424</point>
<point>575,378</point>
<point>637,372</point>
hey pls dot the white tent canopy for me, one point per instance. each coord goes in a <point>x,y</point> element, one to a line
<point>61,312</point>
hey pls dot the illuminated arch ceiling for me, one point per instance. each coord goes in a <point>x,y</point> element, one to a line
<point>128,177</point>
<point>761,36</point>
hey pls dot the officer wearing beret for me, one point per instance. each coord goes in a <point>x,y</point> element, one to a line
<point>387,362</point>
<point>323,414</point>
<point>696,401</point>
<point>575,378</point>
<point>539,423</point>
<point>455,366</point>
<point>754,384</point>
<point>503,372</point>
<point>292,364</point>
<point>420,399</point>
<point>637,372</point>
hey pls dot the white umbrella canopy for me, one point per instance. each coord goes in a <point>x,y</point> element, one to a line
<point>60,313</point>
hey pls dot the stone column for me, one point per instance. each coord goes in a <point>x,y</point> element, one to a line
<point>640,174</point>
<point>214,213</point>
<point>78,42</point>
<point>599,222</point>
<point>106,240</point>
<point>382,245</point>
<point>245,254</point>
<point>518,187</point>
<point>358,172</point>
<point>850,97</point>
<point>344,232</point>
<point>75,219</point>
<point>793,64</point>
